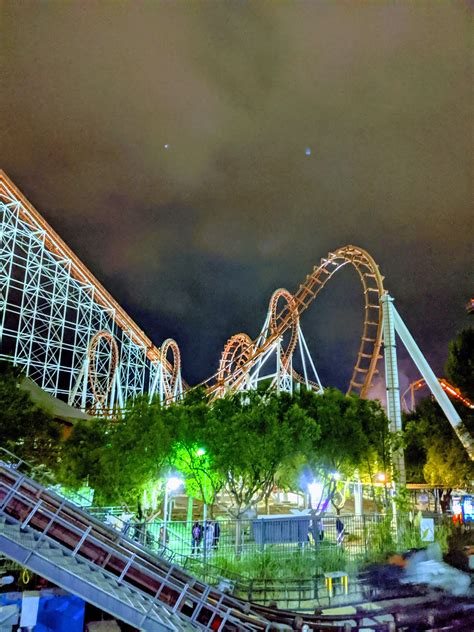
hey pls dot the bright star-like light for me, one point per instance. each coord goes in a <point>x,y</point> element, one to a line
<point>166,146</point>
<point>307,151</point>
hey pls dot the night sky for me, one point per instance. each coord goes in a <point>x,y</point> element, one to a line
<point>196,156</point>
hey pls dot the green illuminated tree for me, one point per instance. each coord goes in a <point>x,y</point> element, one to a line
<point>81,454</point>
<point>433,451</point>
<point>352,434</point>
<point>122,459</point>
<point>251,435</point>
<point>191,454</point>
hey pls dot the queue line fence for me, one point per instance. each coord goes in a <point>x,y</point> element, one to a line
<point>280,537</point>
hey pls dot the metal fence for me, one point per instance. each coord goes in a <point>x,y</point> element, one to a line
<point>355,536</point>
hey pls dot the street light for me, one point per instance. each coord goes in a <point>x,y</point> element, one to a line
<point>315,490</point>
<point>172,484</point>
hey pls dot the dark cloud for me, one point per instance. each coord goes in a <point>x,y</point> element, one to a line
<point>193,238</point>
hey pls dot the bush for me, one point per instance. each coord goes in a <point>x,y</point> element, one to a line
<point>381,540</point>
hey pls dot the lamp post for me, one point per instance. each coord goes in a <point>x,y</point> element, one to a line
<point>172,484</point>
<point>382,478</point>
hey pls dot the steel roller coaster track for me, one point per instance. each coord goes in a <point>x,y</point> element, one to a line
<point>67,332</point>
<point>241,353</point>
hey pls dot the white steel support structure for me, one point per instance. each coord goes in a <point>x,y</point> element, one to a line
<point>433,384</point>
<point>394,413</point>
<point>270,367</point>
<point>393,324</point>
<point>51,307</point>
<point>283,377</point>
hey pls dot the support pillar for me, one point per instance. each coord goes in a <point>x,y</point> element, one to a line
<point>433,384</point>
<point>358,499</point>
<point>391,381</point>
<point>189,515</point>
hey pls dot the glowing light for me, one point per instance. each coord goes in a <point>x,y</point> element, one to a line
<point>381,477</point>
<point>336,476</point>
<point>166,146</point>
<point>315,490</point>
<point>308,151</point>
<point>200,452</point>
<point>173,483</point>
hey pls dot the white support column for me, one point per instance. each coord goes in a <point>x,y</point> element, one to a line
<point>278,366</point>
<point>304,347</point>
<point>391,380</point>
<point>75,388</point>
<point>84,384</point>
<point>433,384</point>
<point>358,499</point>
<point>155,381</point>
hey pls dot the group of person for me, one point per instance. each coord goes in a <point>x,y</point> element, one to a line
<point>318,530</point>
<point>205,535</point>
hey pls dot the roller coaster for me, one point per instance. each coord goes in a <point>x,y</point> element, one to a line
<point>417,385</point>
<point>69,335</point>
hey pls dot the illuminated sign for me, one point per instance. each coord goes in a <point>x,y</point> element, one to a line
<point>467,509</point>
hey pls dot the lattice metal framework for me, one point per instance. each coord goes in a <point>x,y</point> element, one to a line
<point>283,321</point>
<point>51,307</point>
<point>69,334</point>
<point>240,368</point>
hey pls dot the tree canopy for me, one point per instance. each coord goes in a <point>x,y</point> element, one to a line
<point>244,443</point>
<point>25,429</point>
<point>460,364</point>
<point>121,458</point>
<point>433,452</point>
<point>251,435</point>
<point>191,452</point>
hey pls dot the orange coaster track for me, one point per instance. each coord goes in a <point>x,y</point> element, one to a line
<point>241,354</point>
<point>448,388</point>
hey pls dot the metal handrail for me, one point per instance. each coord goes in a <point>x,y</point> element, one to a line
<point>160,549</point>
<point>55,517</point>
<point>120,549</point>
<point>173,584</point>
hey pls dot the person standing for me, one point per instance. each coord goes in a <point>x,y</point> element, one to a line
<point>208,537</point>
<point>339,530</point>
<point>320,528</point>
<point>196,534</point>
<point>217,535</point>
